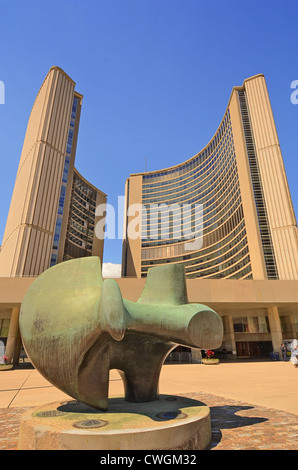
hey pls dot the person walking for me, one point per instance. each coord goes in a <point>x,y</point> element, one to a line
<point>283,350</point>
<point>294,353</point>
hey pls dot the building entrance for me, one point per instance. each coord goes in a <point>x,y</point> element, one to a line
<point>254,348</point>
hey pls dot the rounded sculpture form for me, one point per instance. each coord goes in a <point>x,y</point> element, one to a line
<point>75,327</point>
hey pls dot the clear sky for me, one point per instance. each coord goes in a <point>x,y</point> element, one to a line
<point>156,76</point>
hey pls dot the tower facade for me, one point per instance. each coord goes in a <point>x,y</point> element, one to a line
<point>80,238</point>
<point>39,218</point>
<point>232,198</point>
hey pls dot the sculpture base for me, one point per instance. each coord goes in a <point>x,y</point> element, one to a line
<point>169,423</point>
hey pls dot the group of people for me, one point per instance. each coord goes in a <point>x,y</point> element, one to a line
<point>294,352</point>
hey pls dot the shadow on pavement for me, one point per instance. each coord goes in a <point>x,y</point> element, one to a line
<point>224,417</point>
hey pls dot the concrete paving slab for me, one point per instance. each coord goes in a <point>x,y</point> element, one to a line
<point>271,384</point>
<point>12,379</point>
<point>6,398</point>
<point>39,396</point>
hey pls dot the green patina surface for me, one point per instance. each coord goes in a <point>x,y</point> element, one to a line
<point>75,327</point>
<point>123,415</point>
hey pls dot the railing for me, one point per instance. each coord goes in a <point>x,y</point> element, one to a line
<point>179,356</point>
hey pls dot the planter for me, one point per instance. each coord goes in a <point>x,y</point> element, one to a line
<point>6,366</point>
<point>210,361</point>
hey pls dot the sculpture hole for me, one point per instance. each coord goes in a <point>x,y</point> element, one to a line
<point>167,415</point>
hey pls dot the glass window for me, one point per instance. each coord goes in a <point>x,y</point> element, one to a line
<point>296,322</point>
<point>4,327</point>
<point>251,324</point>
<point>53,260</point>
<point>240,324</point>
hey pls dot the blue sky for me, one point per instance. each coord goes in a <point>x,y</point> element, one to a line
<point>156,76</point>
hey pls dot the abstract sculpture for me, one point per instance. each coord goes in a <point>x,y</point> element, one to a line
<point>75,327</point>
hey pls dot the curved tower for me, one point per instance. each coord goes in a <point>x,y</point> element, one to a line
<point>232,197</point>
<point>38,222</point>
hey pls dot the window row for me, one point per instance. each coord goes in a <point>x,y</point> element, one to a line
<point>199,175</point>
<point>251,324</point>
<point>179,253</point>
<point>204,154</point>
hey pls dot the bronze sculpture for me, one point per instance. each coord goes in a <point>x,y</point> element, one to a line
<point>75,327</point>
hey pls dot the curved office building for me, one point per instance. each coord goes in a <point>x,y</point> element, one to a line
<point>211,180</point>
<point>224,213</point>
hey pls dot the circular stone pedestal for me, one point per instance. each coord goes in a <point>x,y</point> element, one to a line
<point>169,423</point>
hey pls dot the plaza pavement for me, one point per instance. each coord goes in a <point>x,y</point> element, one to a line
<point>270,384</point>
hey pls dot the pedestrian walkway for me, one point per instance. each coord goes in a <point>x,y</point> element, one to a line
<point>253,405</point>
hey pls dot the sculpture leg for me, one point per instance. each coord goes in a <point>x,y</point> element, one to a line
<point>139,359</point>
<point>93,376</point>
